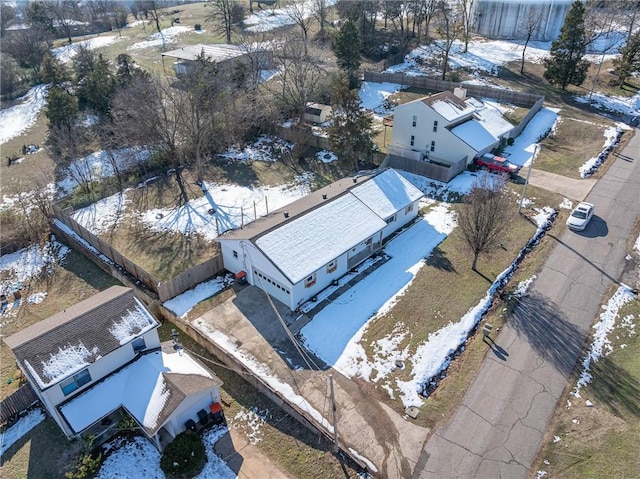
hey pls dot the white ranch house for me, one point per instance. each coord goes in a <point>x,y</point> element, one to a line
<point>297,251</point>
<point>103,356</point>
<point>447,127</point>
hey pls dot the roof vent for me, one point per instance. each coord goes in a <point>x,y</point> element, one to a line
<point>286,214</point>
<point>324,197</point>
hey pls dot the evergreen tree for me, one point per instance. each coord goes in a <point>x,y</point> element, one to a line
<point>628,62</point>
<point>351,130</point>
<point>61,109</point>
<point>565,66</point>
<point>53,70</point>
<point>97,86</point>
<point>347,49</point>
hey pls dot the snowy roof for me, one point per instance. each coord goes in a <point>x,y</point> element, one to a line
<point>387,193</point>
<point>448,105</point>
<point>150,389</point>
<point>491,119</point>
<point>294,209</point>
<point>484,129</point>
<point>216,53</point>
<point>475,135</point>
<point>309,242</point>
<point>63,344</point>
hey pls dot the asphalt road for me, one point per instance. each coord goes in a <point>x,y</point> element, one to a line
<point>498,429</point>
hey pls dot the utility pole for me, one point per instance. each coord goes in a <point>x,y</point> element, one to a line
<point>336,444</point>
<point>524,190</point>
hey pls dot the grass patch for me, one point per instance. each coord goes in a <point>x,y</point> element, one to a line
<point>43,453</point>
<point>604,443</point>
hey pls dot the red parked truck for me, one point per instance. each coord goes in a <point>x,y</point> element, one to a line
<point>496,164</point>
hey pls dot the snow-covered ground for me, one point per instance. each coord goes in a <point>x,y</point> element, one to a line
<point>18,118</point>
<point>168,35</point>
<point>66,53</point>
<point>25,424</point>
<point>140,456</point>
<point>17,269</point>
<point>267,18</point>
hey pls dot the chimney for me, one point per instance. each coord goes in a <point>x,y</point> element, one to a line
<point>286,214</point>
<point>460,92</point>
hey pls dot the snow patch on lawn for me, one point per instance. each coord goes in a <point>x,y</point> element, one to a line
<point>17,119</point>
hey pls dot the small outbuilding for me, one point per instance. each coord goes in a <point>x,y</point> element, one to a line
<point>226,57</point>
<point>317,113</point>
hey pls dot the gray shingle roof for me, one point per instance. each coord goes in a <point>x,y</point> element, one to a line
<point>62,344</point>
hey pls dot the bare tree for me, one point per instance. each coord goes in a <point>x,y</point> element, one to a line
<point>220,15</point>
<point>299,78</point>
<point>64,12</point>
<point>485,215</point>
<point>321,13</point>
<point>468,19</point>
<point>449,29</point>
<point>28,46</point>
<point>302,15</point>
<point>154,107</point>
<point>528,25</point>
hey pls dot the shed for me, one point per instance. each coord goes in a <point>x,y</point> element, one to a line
<point>317,112</point>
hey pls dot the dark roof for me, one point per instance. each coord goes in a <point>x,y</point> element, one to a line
<point>179,387</point>
<point>297,208</point>
<point>444,96</point>
<point>92,324</point>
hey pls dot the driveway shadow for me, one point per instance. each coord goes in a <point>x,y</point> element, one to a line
<point>548,331</point>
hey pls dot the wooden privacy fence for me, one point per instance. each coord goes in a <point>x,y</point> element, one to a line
<point>436,171</point>
<point>189,278</point>
<point>17,402</point>
<point>499,94</point>
<point>165,290</point>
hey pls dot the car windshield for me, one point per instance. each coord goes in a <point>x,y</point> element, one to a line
<point>579,214</point>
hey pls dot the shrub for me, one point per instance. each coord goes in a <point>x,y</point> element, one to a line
<point>185,455</point>
<point>88,462</point>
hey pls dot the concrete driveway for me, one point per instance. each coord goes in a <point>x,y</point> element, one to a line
<point>498,429</point>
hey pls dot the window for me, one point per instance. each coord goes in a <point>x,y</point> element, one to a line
<point>435,126</point>
<point>235,254</point>
<point>413,140</point>
<point>138,344</point>
<point>76,381</point>
<point>391,219</point>
<point>408,209</point>
<point>415,120</point>
<point>433,146</point>
<point>332,266</point>
<point>310,281</point>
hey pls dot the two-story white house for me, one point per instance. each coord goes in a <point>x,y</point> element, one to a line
<point>297,251</point>
<point>103,356</point>
<point>446,127</point>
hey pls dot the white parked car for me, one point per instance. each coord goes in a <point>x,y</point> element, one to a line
<point>580,216</point>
